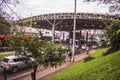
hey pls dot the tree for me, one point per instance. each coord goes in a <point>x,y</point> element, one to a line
<point>113,33</point>
<point>114,5</point>
<point>7,12</point>
<point>5,6</point>
<point>92,38</point>
<point>18,42</point>
<point>44,52</point>
<point>112,30</point>
<point>4,26</point>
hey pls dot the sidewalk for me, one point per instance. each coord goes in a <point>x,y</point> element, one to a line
<point>7,52</point>
<point>44,73</point>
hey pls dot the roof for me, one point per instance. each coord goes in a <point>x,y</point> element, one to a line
<point>13,57</point>
<point>64,21</point>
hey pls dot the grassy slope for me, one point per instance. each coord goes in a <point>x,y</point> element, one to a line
<point>4,55</point>
<point>100,68</point>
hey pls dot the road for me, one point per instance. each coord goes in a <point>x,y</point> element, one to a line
<point>21,71</point>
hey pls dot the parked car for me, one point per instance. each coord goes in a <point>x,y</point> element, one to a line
<point>83,47</point>
<point>57,40</point>
<point>93,44</point>
<point>13,63</point>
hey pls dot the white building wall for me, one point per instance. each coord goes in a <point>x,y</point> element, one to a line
<point>45,32</point>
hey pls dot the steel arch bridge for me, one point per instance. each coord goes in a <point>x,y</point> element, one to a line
<point>64,21</point>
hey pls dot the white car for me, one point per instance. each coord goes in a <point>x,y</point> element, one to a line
<point>13,63</point>
<point>83,47</point>
<point>94,46</point>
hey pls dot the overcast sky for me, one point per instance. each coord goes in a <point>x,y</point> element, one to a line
<point>37,7</point>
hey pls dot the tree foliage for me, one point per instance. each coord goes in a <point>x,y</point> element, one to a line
<point>18,42</point>
<point>113,28</point>
<point>4,26</point>
<point>114,5</point>
<point>113,33</point>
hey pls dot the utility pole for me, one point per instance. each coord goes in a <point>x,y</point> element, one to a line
<point>11,28</point>
<point>31,24</point>
<point>74,32</point>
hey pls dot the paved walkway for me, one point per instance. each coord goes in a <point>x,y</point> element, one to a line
<point>8,52</point>
<point>44,73</point>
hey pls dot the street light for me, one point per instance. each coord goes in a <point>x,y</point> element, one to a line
<point>74,31</point>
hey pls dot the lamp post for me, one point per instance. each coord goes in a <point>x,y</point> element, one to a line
<point>74,32</point>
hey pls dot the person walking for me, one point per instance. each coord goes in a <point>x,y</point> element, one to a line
<point>79,43</point>
<point>70,42</point>
<point>70,55</point>
<point>87,48</point>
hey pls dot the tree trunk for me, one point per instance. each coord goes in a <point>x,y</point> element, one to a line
<point>112,49</point>
<point>33,74</point>
<point>5,77</point>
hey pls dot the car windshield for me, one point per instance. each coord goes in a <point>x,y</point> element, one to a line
<point>5,60</point>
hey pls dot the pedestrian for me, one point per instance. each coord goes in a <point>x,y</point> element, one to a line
<point>70,42</point>
<point>79,43</point>
<point>70,55</point>
<point>87,48</point>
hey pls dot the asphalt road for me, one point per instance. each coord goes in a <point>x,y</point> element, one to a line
<point>20,71</point>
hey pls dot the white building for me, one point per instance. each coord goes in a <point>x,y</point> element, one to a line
<point>62,35</point>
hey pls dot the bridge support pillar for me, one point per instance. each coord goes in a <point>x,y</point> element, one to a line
<point>80,34</point>
<point>54,24</point>
<point>53,33</point>
<point>87,36</point>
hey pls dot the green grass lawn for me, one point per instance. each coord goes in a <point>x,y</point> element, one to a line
<point>100,68</point>
<point>4,55</point>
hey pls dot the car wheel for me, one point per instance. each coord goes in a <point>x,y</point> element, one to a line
<point>14,69</point>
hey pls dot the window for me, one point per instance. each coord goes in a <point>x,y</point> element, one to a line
<point>6,60</point>
<point>15,60</point>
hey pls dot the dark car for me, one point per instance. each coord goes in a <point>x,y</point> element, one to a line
<point>93,44</point>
